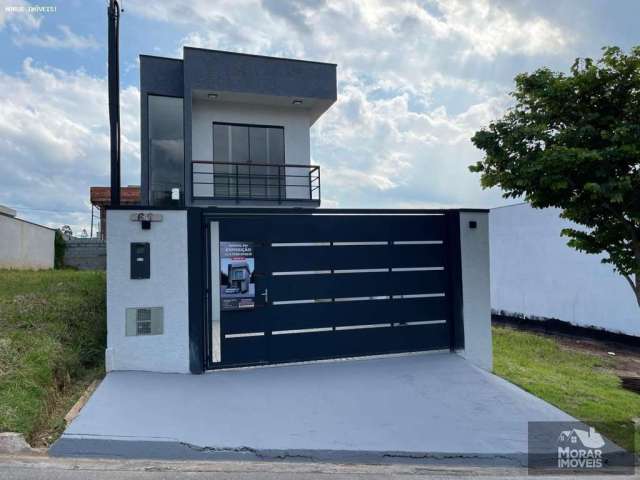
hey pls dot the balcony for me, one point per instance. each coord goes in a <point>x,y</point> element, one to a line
<point>251,182</point>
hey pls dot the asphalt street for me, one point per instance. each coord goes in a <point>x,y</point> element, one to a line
<point>41,467</point>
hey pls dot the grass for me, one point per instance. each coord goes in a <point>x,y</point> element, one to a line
<point>579,383</point>
<point>52,340</point>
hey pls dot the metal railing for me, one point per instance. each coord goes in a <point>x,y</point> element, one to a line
<point>255,181</point>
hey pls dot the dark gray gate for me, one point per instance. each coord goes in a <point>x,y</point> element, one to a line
<point>340,285</point>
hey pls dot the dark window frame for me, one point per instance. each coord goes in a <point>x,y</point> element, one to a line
<point>149,192</point>
<point>263,164</point>
<point>249,125</point>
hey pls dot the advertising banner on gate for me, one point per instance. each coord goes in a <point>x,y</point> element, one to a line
<point>237,283</point>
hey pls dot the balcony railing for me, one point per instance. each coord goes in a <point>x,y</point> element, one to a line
<point>255,181</point>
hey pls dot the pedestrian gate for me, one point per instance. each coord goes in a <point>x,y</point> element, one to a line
<point>332,285</point>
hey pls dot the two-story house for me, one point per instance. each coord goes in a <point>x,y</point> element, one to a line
<point>228,261</point>
<point>222,128</point>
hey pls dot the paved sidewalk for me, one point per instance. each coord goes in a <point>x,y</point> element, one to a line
<point>434,408</point>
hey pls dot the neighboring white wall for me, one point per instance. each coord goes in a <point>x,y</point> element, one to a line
<point>534,272</point>
<point>476,292</point>
<point>24,245</point>
<point>296,123</point>
<point>167,288</point>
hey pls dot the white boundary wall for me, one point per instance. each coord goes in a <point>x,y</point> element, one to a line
<point>167,287</point>
<point>534,272</point>
<point>25,245</point>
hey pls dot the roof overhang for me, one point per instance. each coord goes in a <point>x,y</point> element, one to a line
<point>237,77</point>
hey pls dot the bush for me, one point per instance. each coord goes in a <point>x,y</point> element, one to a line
<point>60,246</point>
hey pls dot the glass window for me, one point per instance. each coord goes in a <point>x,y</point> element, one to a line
<point>239,144</point>
<point>258,144</point>
<point>245,156</point>
<point>166,149</point>
<point>276,146</point>
<point>276,187</point>
<point>221,140</point>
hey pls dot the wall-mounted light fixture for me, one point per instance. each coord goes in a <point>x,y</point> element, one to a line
<point>145,219</point>
<point>212,96</point>
<point>297,101</point>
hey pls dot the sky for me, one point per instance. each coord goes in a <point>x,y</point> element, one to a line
<point>416,79</point>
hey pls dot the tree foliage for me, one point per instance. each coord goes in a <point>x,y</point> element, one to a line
<point>572,141</point>
<point>60,247</point>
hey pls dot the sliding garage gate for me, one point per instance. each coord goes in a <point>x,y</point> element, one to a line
<point>332,285</point>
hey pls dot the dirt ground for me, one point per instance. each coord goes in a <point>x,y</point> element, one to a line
<point>625,359</point>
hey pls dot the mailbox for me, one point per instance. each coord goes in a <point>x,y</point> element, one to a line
<point>140,260</point>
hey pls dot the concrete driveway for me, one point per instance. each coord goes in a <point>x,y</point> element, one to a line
<point>433,408</point>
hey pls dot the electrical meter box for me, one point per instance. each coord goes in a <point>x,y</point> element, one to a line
<point>140,261</point>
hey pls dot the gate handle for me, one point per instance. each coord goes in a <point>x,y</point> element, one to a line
<point>265,294</point>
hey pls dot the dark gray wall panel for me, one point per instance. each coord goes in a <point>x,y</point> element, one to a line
<point>158,76</point>
<point>234,72</point>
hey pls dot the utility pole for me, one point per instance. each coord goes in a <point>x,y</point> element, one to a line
<point>114,97</point>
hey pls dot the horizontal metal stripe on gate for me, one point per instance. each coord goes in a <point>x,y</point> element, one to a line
<point>303,272</point>
<point>335,314</point>
<point>361,299</point>
<point>415,269</point>
<point>422,322</point>
<point>302,244</point>
<point>362,270</point>
<point>349,257</point>
<point>360,244</point>
<point>360,327</point>
<point>420,295</point>
<point>356,342</point>
<point>301,330</point>
<point>243,335</point>
<point>358,270</point>
<point>356,285</point>
<point>333,228</point>
<point>418,242</point>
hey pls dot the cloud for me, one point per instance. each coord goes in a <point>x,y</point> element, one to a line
<point>416,79</point>
<point>390,139</point>
<point>376,30</point>
<point>377,152</point>
<point>487,29</point>
<point>67,39</point>
<point>54,141</point>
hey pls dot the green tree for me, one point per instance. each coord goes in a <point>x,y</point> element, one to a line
<point>572,141</point>
<point>60,247</point>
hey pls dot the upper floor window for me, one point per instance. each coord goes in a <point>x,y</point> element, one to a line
<point>166,149</point>
<point>248,144</point>
<point>247,161</point>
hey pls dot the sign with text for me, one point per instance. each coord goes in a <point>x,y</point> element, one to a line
<point>237,284</point>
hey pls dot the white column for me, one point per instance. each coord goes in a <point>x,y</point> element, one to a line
<point>476,288</point>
